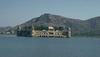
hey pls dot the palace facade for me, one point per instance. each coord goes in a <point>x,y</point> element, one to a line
<point>51,32</point>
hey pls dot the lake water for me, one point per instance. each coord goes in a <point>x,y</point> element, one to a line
<point>12,46</point>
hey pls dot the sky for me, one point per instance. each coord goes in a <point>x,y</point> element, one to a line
<point>15,12</point>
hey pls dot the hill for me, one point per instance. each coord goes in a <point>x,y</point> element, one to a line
<point>79,27</point>
<point>56,20</point>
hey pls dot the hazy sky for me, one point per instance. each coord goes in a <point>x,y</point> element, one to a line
<point>13,12</point>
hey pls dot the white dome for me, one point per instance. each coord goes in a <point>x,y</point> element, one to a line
<point>50,27</point>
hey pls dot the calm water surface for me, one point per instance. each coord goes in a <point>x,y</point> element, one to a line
<point>12,46</point>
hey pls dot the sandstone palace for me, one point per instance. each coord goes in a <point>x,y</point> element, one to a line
<point>44,31</point>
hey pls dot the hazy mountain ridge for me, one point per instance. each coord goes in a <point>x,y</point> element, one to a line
<point>55,20</point>
<point>93,25</point>
<point>79,27</point>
